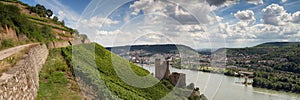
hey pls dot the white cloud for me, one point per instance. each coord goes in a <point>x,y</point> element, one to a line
<point>97,22</point>
<point>296,17</point>
<point>188,28</point>
<point>186,12</point>
<point>147,6</point>
<point>246,16</point>
<point>178,20</point>
<point>275,15</point>
<point>277,25</point>
<point>218,18</point>
<point>283,1</point>
<point>256,2</point>
<point>105,33</point>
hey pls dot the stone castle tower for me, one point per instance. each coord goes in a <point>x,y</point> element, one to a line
<point>162,70</point>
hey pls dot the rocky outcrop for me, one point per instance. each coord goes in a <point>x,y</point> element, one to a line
<point>8,34</point>
<point>61,44</point>
<point>21,82</point>
<point>178,79</point>
<point>52,45</point>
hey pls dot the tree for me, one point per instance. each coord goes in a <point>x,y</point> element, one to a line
<point>83,36</point>
<point>32,9</point>
<point>62,22</point>
<point>75,32</point>
<point>55,19</point>
<point>49,13</point>
<point>40,10</point>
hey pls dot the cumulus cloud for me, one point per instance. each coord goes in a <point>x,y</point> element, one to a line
<point>275,15</point>
<point>185,12</point>
<point>148,6</point>
<point>218,18</point>
<point>106,33</point>
<point>283,1</point>
<point>277,25</point>
<point>296,17</point>
<point>256,2</point>
<point>189,28</point>
<point>246,16</point>
<point>251,35</point>
<point>97,22</point>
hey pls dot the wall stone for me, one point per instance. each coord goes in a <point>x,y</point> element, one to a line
<point>61,44</point>
<point>178,79</point>
<point>22,81</point>
<point>52,45</point>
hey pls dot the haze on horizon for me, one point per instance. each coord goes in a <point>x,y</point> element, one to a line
<point>195,23</point>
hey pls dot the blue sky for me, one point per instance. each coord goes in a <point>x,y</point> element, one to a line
<point>195,23</point>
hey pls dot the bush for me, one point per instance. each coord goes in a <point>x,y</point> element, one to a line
<point>10,16</point>
<point>7,43</point>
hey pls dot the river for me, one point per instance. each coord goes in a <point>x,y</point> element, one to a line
<point>221,87</point>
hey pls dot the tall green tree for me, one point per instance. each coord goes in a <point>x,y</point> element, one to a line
<point>49,13</point>
<point>55,19</point>
<point>40,10</point>
<point>62,22</point>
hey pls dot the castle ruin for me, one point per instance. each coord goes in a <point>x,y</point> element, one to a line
<point>162,71</point>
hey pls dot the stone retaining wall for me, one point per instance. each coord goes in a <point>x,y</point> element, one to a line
<point>21,82</point>
<point>52,45</point>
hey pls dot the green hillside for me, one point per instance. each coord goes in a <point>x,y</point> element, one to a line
<point>100,74</point>
<point>61,74</point>
<point>276,65</point>
<point>278,44</point>
<point>56,79</point>
<point>22,23</point>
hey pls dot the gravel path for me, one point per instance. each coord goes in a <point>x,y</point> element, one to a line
<point>8,52</point>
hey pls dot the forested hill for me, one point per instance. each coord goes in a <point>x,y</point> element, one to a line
<point>285,56</point>
<point>276,44</point>
<point>158,48</point>
<point>276,65</point>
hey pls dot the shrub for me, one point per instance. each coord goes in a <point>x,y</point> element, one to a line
<point>7,43</point>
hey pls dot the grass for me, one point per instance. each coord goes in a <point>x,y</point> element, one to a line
<point>52,26</point>
<point>95,69</point>
<point>8,43</point>
<point>56,80</point>
<point>101,75</point>
<point>37,18</point>
<point>10,61</point>
<point>46,21</point>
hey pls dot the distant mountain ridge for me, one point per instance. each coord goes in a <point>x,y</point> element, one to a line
<point>278,44</point>
<point>156,48</point>
<point>265,45</point>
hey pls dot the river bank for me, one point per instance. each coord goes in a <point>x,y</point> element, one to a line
<point>215,86</point>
